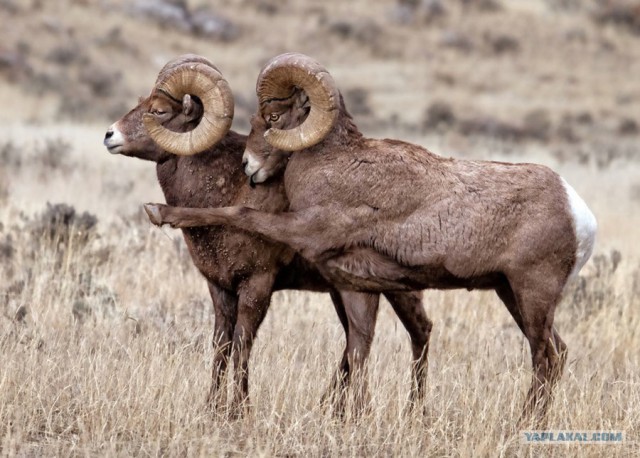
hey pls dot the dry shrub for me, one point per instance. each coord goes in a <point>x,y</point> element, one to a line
<point>67,54</point>
<point>628,126</point>
<point>487,125</point>
<point>50,155</point>
<point>596,290</point>
<point>14,64</point>
<point>7,250</point>
<point>438,115</point>
<point>4,188</point>
<point>502,44</point>
<point>269,7</point>
<point>86,89</point>
<point>10,157</point>
<point>176,14</point>
<point>487,6</point>
<point>9,6</point>
<point>418,11</point>
<point>622,13</point>
<point>114,40</point>
<point>53,155</point>
<point>60,224</point>
<point>455,39</point>
<point>56,244</point>
<point>537,125</point>
<point>102,81</point>
<point>365,32</point>
<point>206,23</point>
<point>357,99</point>
<point>167,13</point>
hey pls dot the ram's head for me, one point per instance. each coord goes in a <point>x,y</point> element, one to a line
<point>190,109</point>
<point>299,104</point>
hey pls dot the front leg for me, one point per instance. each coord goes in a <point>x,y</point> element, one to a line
<point>339,379</point>
<point>225,308</point>
<point>409,309</point>
<point>254,296</point>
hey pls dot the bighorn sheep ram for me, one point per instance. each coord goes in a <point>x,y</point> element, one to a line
<point>189,111</point>
<point>385,215</point>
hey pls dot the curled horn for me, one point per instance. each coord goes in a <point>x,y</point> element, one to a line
<point>196,76</point>
<point>278,79</point>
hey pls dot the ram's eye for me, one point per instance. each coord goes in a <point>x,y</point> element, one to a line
<point>273,117</point>
<point>156,111</point>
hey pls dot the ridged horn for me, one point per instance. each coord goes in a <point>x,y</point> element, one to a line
<point>198,77</point>
<point>278,79</point>
<point>181,60</point>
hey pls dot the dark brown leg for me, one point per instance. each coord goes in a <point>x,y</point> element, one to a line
<point>254,296</point>
<point>410,311</point>
<point>508,298</point>
<point>225,307</point>
<point>338,381</point>
<point>537,294</point>
<point>361,311</point>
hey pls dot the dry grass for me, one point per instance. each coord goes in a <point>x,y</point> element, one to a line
<point>126,372</point>
<point>113,356</point>
<point>104,331</point>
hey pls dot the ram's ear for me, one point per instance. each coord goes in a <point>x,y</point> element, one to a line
<point>302,100</point>
<point>188,106</point>
<point>191,108</point>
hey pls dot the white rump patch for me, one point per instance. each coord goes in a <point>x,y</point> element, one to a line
<point>585,227</point>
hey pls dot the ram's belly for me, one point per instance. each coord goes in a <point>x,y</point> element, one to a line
<point>463,247</point>
<point>364,269</point>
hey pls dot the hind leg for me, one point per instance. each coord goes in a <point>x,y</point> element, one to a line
<point>556,348</point>
<point>537,293</point>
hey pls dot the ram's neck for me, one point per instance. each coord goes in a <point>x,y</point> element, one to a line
<point>344,134</point>
<point>212,178</point>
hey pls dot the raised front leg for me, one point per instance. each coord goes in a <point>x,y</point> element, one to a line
<point>254,296</point>
<point>225,308</point>
<point>312,231</point>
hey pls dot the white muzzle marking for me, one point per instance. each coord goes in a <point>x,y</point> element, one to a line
<point>253,164</point>
<point>115,142</point>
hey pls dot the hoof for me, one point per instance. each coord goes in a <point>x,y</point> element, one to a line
<point>153,212</point>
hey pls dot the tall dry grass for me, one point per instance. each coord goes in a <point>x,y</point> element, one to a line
<point>104,342</point>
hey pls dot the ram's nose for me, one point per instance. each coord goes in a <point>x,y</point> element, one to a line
<point>108,135</point>
<point>249,162</point>
<point>113,140</point>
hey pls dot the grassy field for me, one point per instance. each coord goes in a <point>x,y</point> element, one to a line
<point>105,324</point>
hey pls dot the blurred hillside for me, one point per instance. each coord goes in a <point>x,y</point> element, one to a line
<point>562,73</point>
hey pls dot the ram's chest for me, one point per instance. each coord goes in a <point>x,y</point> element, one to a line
<point>211,255</point>
<point>225,256</point>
